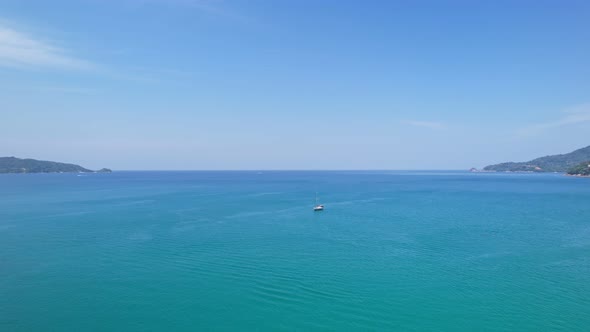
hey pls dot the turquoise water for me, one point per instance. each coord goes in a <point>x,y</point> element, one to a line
<point>228,251</point>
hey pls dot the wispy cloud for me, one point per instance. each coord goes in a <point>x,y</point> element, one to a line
<point>425,124</point>
<point>213,7</point>
<point>66,90</point>
<point>572,116</point>
<point>19,49</point>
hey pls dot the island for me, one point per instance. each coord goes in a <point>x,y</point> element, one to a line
<point>582,169</point>
<point>18,165</point>
<point>560,163</point>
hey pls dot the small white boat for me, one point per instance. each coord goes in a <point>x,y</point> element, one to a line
<point>318,207</point>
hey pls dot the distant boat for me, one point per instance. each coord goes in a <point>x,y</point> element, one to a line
<point>318,207</point>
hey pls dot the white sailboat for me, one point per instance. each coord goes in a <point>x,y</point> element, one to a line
<point>317,207</point>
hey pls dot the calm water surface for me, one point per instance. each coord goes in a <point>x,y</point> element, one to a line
<point>228,251</point>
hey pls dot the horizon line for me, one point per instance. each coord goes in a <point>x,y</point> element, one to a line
<point>283,170</point>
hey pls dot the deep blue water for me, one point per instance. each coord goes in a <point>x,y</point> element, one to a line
<point>187,251</point>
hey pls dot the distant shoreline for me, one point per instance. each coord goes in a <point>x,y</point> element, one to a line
<point>18,165</point>
<point>578,175</point>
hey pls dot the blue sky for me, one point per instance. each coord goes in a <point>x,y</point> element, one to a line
<point>197,84</point>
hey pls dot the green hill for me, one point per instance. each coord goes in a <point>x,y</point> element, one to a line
<point>17,165</point>
<point>555,163</point>
<point>582,169</point>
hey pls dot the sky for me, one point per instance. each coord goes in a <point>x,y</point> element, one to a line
<point>301,84</point>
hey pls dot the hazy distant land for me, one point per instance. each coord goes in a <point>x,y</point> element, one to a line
<point>18,165</point>
<point>556,163</point>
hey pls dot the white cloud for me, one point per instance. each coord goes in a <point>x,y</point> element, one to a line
<point>425,124</point>
<point>574,115</point>
<point>18,49</point>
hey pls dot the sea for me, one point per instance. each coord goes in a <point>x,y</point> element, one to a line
<point>244,251</point>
